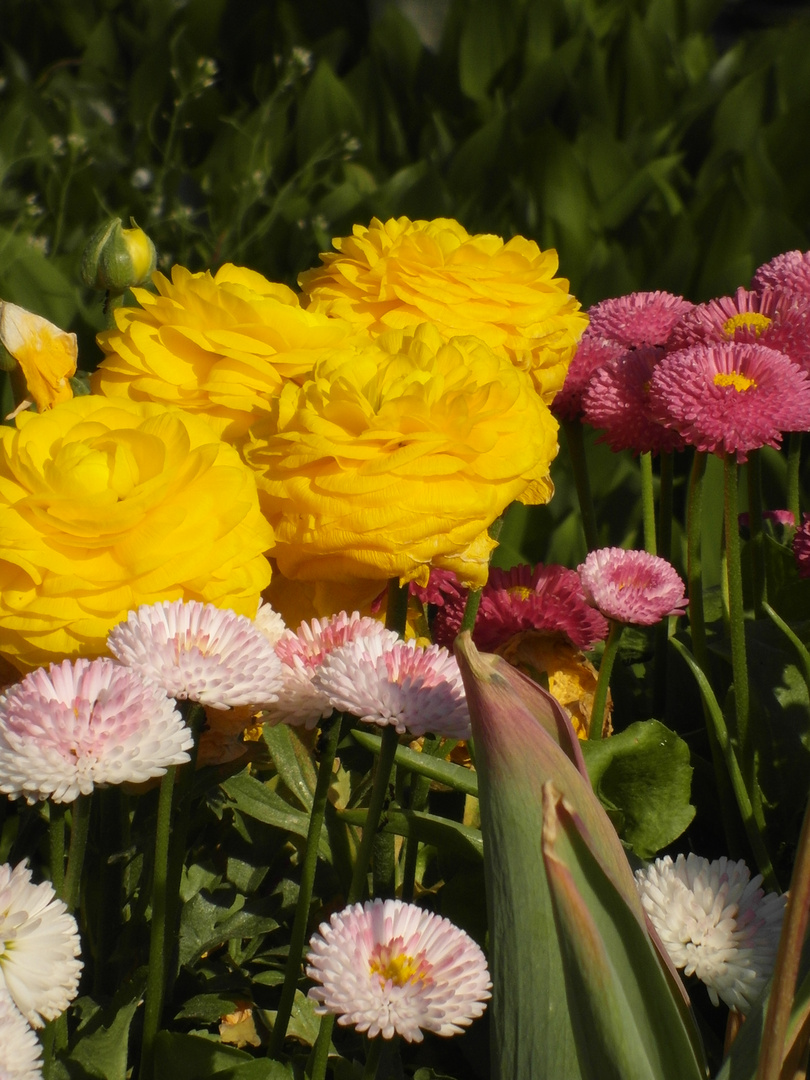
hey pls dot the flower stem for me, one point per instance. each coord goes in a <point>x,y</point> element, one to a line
<point>379,792</point>
<point>56,846</point>
<point>739,661</point>
<point>694,571</point>
<point>579,465</point>
<point>372,1058</point>
<point>665,463</point>
<point>330,736</point>
<point>603,681</point>
<point>793,486</point>
<point>648,502</point>
<point>757,535</point>
<point>79,825</point>
<point>396,608</point>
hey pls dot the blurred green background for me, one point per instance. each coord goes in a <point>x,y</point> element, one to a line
<point>654,143</point>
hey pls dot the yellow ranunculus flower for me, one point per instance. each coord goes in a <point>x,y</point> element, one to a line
<point>220,345</point>
<point>397,457</point>
<point>46,354</point>
<point>105,505</point>
<point>400,273</point>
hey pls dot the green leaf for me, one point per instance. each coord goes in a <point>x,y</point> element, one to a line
<point>192,1057</point>
<point>643,779</point>
<point>260,801</point>
<point>445,834</point>
<point>488,39</point>
<point>293,762</point>
<point>327,110</point>
<point>435,768</point>
<point>102,1038</point>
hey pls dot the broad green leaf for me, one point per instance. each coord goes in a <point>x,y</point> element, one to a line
<point>260,801</point>
<point>326,111</point>
<point>294,768</point>
<point>192,1057</point>
<point>102,1038</point>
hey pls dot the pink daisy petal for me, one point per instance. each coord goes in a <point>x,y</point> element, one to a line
<point>383,681</point>
<point>64,730</point>
<point>593,352</point>
<point>199,652</point>
<point>632,586</point>
<point>301,652</point>
<point>789,272</point>
<point>443,586</point>
<point>729,398</point>
<point>390,968</point>
<point>617,400</point>
<point>638,319</point>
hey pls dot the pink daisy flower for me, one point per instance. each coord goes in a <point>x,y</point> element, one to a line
<point>384,681</point>
<point>390,968</point>
<point>20,1049</point>
<point>789,272</point>
<point>617,400</point>
<point>593,352</point>
<point>773,318</point>
<point>302,702</point>
<point>638,319</point>
<point>199,652</point>
<point>632,586</point>
<point>442,586</point>
<point>801,547</point>
<point>39,947</point>
<point>67,729</point>
<point>730,398</point>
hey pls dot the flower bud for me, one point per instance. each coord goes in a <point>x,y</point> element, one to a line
<point>117,259</point>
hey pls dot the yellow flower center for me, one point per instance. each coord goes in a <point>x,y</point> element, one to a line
<point>396,966</point>
<point>753,320</point>
<point>521,592</point>
<point>741,383</point>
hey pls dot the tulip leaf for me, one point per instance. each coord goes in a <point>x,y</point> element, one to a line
<point>643,778</point>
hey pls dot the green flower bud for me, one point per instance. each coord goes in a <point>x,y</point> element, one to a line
<point>117,259</point>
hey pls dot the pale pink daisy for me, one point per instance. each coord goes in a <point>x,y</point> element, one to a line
<point>76,725</point>
<point>20,1049</point>
<point>789,272</point>
<point>617,400</point>
<point>39,946</point>
<point>632,586</point>
<point>394,682</point>
<point>593,352</point>
<point>199,652</point>
<point>301,702</point>
<point>715,922</point>
<point>270,622</point>
<point>390,968</point>
<point>801,547</point>
<point>773,318</point>
<point>638,319</point>
<point>730,398</point>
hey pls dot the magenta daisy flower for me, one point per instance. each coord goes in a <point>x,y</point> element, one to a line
<point>773,318</point>
<point>617,400</point>
<point>632,586</point>
<point>593,352</point>
<point>199,652</point>
<point>390,968</point>
<point>801,547</point>
<point>730,398</point>
<point>384,681</point>
<point>443,587</point>
<point>301,652</point>
<point>67,729</point>
<point>39,947</point>
<point>638,319</point>
<point>789,272</point>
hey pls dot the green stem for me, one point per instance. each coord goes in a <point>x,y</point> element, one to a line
<point>648,502</point>
<point>603,681</point>
<point>694,572</point>
<point>331,736</point>
<point>665,491</point>
<point>420,790</point>
<point>793,486</point>
<point>372,1058</point>
<point>754,478</point>
<point>316,1066</point>
<point>396,608</point>
<point>579,465</point>
<point>79,825</point>
<point>56,846</point>
<point>379,792</point>
<point>739,660</point>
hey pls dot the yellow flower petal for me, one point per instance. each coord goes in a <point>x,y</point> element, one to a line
<point>46,354</point>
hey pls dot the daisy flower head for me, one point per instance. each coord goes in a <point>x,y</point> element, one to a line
<point>390,968</point>
<point>632,586</point>
<point>39,946</point>
<point>301,702</point>
<point>801,547</point>
<point>20,1049</point>
<point>730,398</point>
<point>616,400</point>
<point>715,922</point>
<point>638,319</point>
<point>270,622</point>
<point>789,272</point>
<point>199,652</point>
<point>67,729</point>
<point>593,352</point>
<point>384,680</point>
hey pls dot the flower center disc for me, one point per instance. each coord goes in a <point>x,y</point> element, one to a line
<point>741,383</point>
<point>753,320</point>
<point>396,966</point>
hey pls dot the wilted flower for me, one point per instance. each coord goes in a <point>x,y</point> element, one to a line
<point>399,458</point>
<point>46,354</point>
<point>384,680</point>
<point>632,586</point>
<point>715,922</point>
<point>399,273</point>
<point>199,652</point>
<point>105,506</point>
<point>39,946</point>
<point>221,345</point>
<point>789,272</point>
<point>20,1049</point>
<point>730,398</point>
<point>65,730</point>
<point>390,968</point>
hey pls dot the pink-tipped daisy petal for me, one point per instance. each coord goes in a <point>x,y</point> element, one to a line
<point>715,922</point>
<point>67,729</point>
<point>638,319</point>
<point>301,652</point>
<point>789,272</point>
<point>384,682</point>
<point>39,946</point>
<point>199,652</point>
<point>593,352</point>
<point>632,586</point>
<point>389,968</point>
<point>20,1049</point>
